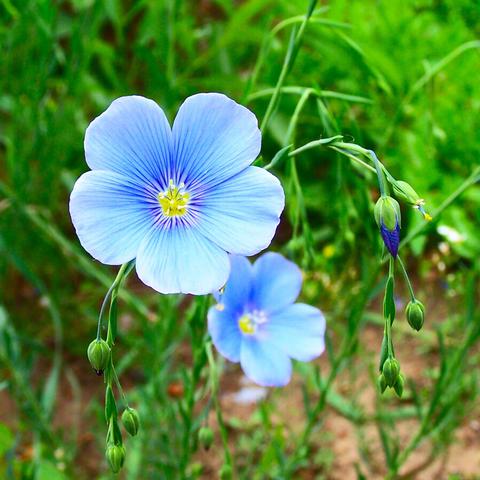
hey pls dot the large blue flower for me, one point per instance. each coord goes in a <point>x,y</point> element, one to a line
<point>257,324</point>
<point>176,199</point>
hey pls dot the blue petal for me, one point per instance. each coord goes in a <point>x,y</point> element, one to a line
<point>391,238</point>
<point>131,137</point>
<point>181,260</point>
<point>111,214</point>
<point>264,363</point>
<point>239,285</point>
<point>298,331</point>
<point>277,282</point>
<point>241,214</point>
<point>214,138</point>
<point>226,336</point>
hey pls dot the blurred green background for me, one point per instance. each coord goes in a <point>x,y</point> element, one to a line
<point>400,77</point>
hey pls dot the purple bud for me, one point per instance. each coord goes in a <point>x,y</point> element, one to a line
<point>391,238</point>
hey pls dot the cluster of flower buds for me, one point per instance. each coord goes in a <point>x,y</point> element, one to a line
<point>99,355</point>
<point>391,376</point>
<point>387,216</point>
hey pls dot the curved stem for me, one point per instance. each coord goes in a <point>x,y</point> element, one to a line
<point>123,272</point>
<point>216,403</point>
<point>407,279</point>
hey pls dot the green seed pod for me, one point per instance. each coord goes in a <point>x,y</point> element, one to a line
<point>226,472</point>
<point>404,191</point>
<point>382,383</point>
<point>391,370</point>
<point>131,421</point>
<point>399,384</point>
<point>205,437</point>
<point>98,354</point>
<point>116,456</point>
<point>387,213</point>
<point>415,313</point>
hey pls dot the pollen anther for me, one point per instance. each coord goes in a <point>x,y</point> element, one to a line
<point>174,200</point>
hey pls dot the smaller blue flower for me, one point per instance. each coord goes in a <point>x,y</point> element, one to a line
<point>257,323</point>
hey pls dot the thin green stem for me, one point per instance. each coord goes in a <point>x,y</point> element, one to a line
<point>216,403</point>
<point>407,279</point>
<point>102,310</point>
<point>293,46</point>
<point>388,319</point>
<point>124,270</point>
<point>119,386</point>
<point>381,179</point>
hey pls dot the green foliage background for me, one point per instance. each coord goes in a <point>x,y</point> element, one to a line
<point>400,77</point>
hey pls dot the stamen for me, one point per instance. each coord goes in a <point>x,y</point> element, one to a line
<point>249,322</point>
<point>174,200</point>
<point>246,324</point>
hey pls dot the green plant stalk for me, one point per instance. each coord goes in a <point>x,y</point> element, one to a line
<point>388,321</point>
<point>199,360</point>
<point>113,433</point>
<point>293,46</point>
<point>345,352</point>
<point>447,380</point>
<point>423,80</point>
<point>379,170</point>
<point>218,409</point>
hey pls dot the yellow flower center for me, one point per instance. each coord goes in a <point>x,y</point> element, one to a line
<point>249,322</point>
<point>246,324</point>
<point>174,200</point>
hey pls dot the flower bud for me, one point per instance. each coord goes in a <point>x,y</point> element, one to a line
<point>98,354</point>
<point>387,216</point>
<point>391,370</point>
<point>131,421</point>
<point>399,384</point>
<point>382,383</point>
<point>415,313</point>
<point>205,437</point>
<point>387,212</point>
<point>405,191</point>
<point>116,456</point>
<point>226,472</point>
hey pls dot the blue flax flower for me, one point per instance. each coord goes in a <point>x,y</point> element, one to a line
<point>257,324</point>
<point>177,199</point>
